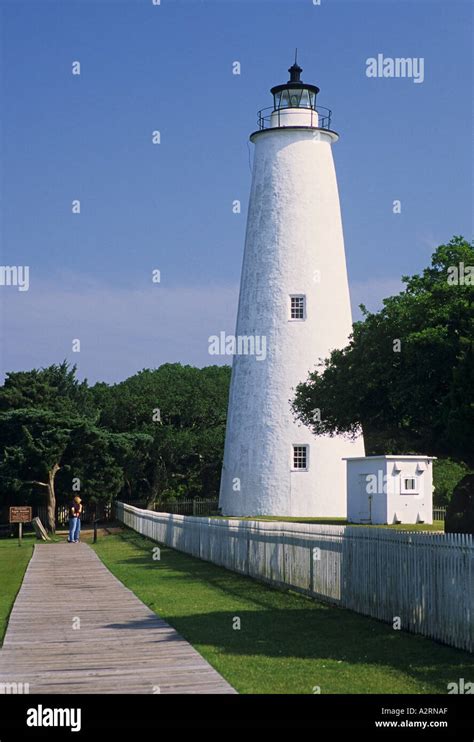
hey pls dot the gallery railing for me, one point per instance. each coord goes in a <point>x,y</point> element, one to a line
<point>270,118</point>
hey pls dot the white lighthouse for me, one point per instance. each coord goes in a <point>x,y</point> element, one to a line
<point>294,302</point>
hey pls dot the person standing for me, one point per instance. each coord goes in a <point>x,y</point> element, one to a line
<point>75,512</point>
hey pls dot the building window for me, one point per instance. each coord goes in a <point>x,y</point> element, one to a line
<point>298,307</point>
<point>300,458</point>
<point>409,485</point>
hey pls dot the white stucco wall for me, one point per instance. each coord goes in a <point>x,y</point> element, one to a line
<point>389,503</point>
<point>294,245</point>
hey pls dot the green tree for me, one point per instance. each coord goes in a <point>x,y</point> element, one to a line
<point>100,463</point>
<point>38,411</point>
<point>406,377</point>
<point>160,433</point>
<point>32,445</point>
<point>184,409</point>
<point>54,388</point>
<point>446,475</point>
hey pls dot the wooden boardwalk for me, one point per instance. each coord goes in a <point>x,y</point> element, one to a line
<point>120,647</point>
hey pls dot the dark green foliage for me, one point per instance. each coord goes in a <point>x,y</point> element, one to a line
<point>102,460</point>
<point>184,410</point>
<point>446,475</point>
<point>417,400</point>
<point>57,432</point>
<point>460,511</point>
<point>55,389</point>
<point>31,443</point>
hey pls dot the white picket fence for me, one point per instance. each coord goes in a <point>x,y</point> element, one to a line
<point>425,579</point>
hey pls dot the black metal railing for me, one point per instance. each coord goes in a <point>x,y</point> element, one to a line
<point>100,510</point>
<point>271,118</point>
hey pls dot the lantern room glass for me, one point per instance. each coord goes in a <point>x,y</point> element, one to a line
<point>297,97</point>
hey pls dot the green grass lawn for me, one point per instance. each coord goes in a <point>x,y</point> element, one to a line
<point>13,563</point>
<point>287,643</point>
<point>437,525</point>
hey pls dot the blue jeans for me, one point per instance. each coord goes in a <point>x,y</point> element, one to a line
<point>74,529</point>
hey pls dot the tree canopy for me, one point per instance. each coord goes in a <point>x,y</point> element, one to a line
<point>407,375</point>
<point>160,433</point>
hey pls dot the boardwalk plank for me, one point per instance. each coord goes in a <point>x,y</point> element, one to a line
<point>120,647</point>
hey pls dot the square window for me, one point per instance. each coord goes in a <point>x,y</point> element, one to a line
<point>297,307</point>
<point>300,457</point>
<point>409,485</point>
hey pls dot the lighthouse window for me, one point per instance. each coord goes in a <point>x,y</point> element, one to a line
<point>297,307</point>
<point>300,457</point>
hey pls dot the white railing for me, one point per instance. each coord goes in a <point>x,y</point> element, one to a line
<point>424,579</point>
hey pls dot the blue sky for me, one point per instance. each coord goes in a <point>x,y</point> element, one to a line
<point>169,206</point>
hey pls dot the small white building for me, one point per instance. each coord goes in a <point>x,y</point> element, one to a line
<point>390,489</point>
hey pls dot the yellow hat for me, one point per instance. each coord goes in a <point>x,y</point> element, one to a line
<point>77,498</point>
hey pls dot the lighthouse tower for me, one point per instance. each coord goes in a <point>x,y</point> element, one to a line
<point>294,304</point>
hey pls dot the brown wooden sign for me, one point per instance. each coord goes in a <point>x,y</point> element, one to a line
<point>20,514</point>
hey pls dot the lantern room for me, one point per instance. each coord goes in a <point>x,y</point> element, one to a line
<point>294,104</point>
<point>295,93</point>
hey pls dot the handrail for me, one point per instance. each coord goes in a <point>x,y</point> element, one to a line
<point>266,120</point>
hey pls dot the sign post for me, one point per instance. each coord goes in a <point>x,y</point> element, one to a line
<point>20,514</point>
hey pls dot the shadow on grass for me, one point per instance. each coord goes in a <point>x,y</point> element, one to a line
<point>279,624</point>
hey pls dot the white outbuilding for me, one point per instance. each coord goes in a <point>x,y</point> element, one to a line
<point>390,489</point>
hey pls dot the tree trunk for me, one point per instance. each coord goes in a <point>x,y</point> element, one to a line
<point>51,501</point>
<point>150,501</point>
<point>157,485</point>
<point>52,498</point>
